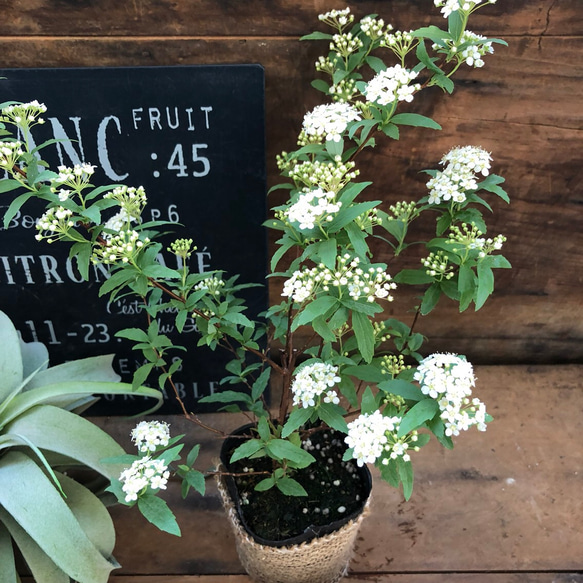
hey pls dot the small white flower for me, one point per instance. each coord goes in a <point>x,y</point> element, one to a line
<point>149,435</point>
<point>330,120</point>
<point>314,380</point>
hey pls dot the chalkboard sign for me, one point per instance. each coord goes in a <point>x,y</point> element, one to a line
<point>193,137</point>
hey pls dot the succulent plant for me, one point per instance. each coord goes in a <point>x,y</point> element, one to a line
<point>52,469</point>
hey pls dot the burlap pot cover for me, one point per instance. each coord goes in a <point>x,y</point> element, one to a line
<point>321,560</point>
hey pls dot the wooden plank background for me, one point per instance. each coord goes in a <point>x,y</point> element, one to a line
<point>503,506</point>
<point>511,513</point>
<point>524,106</point>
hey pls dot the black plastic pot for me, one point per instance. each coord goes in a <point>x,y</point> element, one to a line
<point>313,531</point>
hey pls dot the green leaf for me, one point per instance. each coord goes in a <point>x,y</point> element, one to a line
<point>405,470</point>
<point>227,397</point>
<point>282,449</point>
<point>368,403</point>
<point>319,306</point>
<point>237,318</point>
<point>413,277</point>
<point>403,388</point>
<point>415,120</point>
<point>16,204</point>
<point>430,298</point>
<point>366,372</point>
<point>296,419</point>
<point>290,487</point>
<point>192,455</point>
<point>156,511</point>
<point>485,284</point>
<point>317,36</point>
<point>332,415</point>
<point>260,384</point>
<point>327,253</point>
<point>193,479</point>
<point>158,271</point>
<point>417,415</point>
<point>358,239</point>
<point>364,332</point>
<point>321,327</point>
<point>246,449</point>
<point>265,484</point>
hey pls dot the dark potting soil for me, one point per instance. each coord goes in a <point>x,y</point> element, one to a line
<point>335,490</point>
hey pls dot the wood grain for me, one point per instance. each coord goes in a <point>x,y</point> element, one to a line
<point>502,501</point>
<point>264,17</point>
<point>524,107</point>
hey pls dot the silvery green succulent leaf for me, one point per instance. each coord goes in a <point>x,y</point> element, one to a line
<point>61,528</point>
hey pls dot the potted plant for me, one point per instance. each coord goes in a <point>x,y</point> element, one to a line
<point>52,507</point>
<point>354,386</point>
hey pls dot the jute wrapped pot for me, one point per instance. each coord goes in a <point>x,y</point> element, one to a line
<point>319,556</point>
<point>323,559</point>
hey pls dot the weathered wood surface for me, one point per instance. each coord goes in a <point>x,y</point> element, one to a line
<point>504,505</point>
<point>374,578</point>
<point>524,106</point>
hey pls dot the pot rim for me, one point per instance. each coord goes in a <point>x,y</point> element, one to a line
<point>310,533</point>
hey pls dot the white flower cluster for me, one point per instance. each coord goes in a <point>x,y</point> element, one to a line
<point>76,178</point>
<point>9,154</point>
<point>333,175</point>
<point>23,113</point>
<point>312,207</point>
<point>345,44</point>
<point>143,473</point>
<point>472,55</point>
<point>449,379</point>
<point>469,236</point>
<point>54,223</point>
<point>120,247</point>
<point>129,198</point>
<point>116,223</point>
<point>392,85</point>
<point>459,174</point>
<point>373,27</point>
<point>369,435</point>
<point>329,120</point>
<point>211,284</point>
<point>313,381</point>
<point>449,6</point>
<point>148,435</point>
<point>373,283</point>
<point>337,18</point>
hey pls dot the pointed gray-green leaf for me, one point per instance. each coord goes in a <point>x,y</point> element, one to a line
<point>35,356</point>
<point>10,357</point>
<point>93,368</point>
<point>64,393</point>
<point>42,568</point>
<point>91,514</point>
<point>26,493</point>
<point>8,572</point>
<point>50,428</point>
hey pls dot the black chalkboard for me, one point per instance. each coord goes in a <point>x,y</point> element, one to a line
<point>193,136</point>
